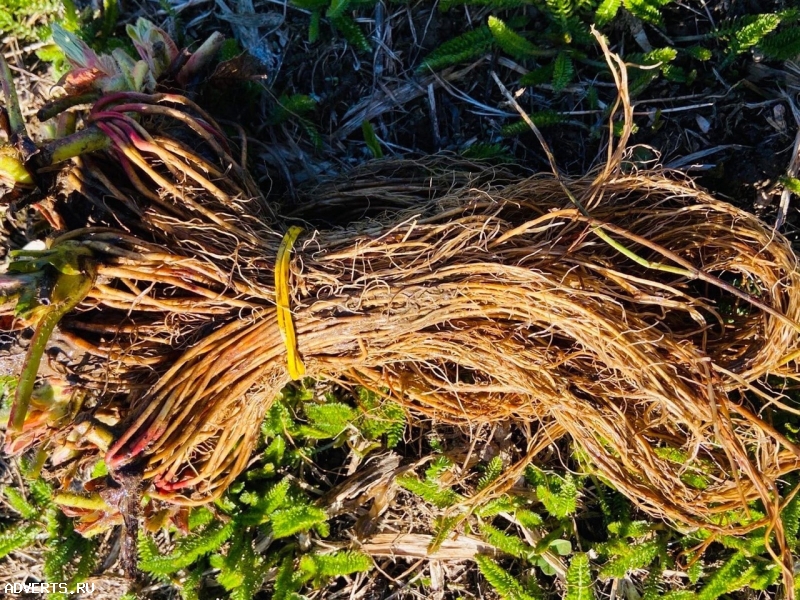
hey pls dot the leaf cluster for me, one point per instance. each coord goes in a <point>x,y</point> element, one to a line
<point>338,14</point>
<point>68,557</point>
<point>29,20</point>
<point>263,529</point>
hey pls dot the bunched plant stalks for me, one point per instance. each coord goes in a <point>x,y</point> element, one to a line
<point>469,298</point>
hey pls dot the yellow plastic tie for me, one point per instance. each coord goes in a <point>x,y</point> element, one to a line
<point>296,367</point>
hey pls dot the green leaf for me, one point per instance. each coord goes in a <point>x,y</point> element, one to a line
<point>295,105</point>
<point>18,536</point>
<point>678,595</point>
<point>351,32</point>
<point>313,26</point>
<point>322,567</point>
<point>630,529</point>
<point>61,549</point>
<point>561,12</point>
<point>488,152</point>
<point>528,518</point>
<point>727,578</point>
<point>637,556</point>
<point>276,450</point>
<point>187,549</point>
<point>492,471</point>
<point>790,515</point>
<point>558,494</point>
<point>311,4</point>
<point>296,519</point>
<point>545,566</point>
<point>579,579</point>
<point>337,8</point>
<point>510,41</point>
<point>695,571</point>
<point>18,503</point>
<point>264,504</point>
<point>430,491</point>
<point>561,547</point>
<point>190,586</point>
<point>544,118</point>
<point>746,32</point>
<point>699,53</point>
<point>40,492</point>
<point>380,416</point>
<point>607,11</point>
<point>445,5</point>
<point>28,20</point>
<point>505,584</point>
<point>495,506</point>
<point>467,46</point>
<point>71,18</point>
<point>439,466</point>
<point>286,584</point>
<point>792,184</point>
<point>538,76</point>
<point>563,71</point>
<point>371,139</point>
<point>199,516</point>
<point>647,10</point>
<point>782,45</point>
<point>100,469</point>
<point>327,420</point>
<point>242,571</point>
<point>442,527</point>
<point>509,544</point>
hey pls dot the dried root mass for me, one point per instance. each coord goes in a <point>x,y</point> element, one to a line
<point>466,297</point>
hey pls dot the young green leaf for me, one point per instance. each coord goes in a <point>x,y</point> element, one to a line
<point>509,544</point>
<point>337,8</point>
<point>510,41</point>
<point>296,519</point>
<point>782,45</point>
<point>647,10</point>
<point>492,471</point>
<point>563,71</point>
<point>467,46</point>
<point>351,32</point>
<point>322,567</point>
<point>607,10</point>
<point>505,584</point>
<point>746,32</point>
<point>579,579</point>
<point>18,536</point>
<point>636,556</point>
<point>371,139</point>
<point>241,570</point>
<point>327,420</point>
<point>430,491</point>
<point>286,584</point>
<point>442,527</point>
<point>187,549</point>
<point>18,503</point>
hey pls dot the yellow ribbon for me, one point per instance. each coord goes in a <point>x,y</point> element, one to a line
<point>296,367</point>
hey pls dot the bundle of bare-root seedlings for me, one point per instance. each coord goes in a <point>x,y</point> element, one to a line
<point>655,322</point>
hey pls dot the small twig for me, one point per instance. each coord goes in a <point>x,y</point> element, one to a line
<point>434,118</point>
